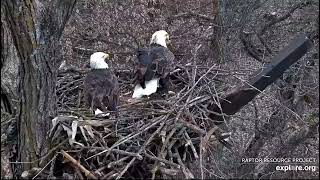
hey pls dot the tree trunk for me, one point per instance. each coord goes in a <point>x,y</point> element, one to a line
<point>36,28</point>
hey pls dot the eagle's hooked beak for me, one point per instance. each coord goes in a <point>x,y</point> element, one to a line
<point>168,41</point>
<point>108,57</point>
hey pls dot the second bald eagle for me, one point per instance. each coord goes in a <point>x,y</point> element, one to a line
<point>153,66</point>
<point>101,89</point>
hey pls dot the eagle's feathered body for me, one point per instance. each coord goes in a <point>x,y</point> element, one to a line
<point>154,62</point>
<point>101,88</point>
<point>152,69</point>
<point>153,66</point>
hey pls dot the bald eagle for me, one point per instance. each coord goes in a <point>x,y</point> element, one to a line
<point>153,66</point>
<point>101,89</point>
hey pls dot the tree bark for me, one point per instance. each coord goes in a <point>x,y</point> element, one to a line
<point>36,27</point>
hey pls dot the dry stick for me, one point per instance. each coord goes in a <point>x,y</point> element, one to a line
<point>175,140</point>
<point>203,142</point>
<point>179,114</point>
<point>136,117</point>
<point>162,160</point>
<point>142,129</point>
<point>161,154</point>
<point>185,170</point>
<point>184,155</point>
<point>118,162</point>
<point>184,106</point>
<point>118,151</point>
<point>98,171</point>
<point>44,166</point>
<point>195,84</point>
<point>128,137</point>
<point>77,171</point>
<point>207,137</point>
<point>193,127</point>
<point>191,116</point>
<point>126,168</point>
<point>131,103</point>
<point>163,148</point>
<point>154,170</point>
<point>197,100</point>
<point>96,122</point>
<point>110,175</point>
<point>201,159</point>
<point>170,154</point>
<point>142,148</point>
<point>171,172</point>
<point>217,102</point>
<point>74,113</point>
<point>189,142</point>
<point>77,163</point>
<point>43,157</point>
<point>163,133</point>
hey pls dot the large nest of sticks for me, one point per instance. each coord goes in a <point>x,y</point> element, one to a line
<point>155,137</point>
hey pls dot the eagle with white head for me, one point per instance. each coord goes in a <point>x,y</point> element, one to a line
<point>101,89</point>
<point>153,66</point>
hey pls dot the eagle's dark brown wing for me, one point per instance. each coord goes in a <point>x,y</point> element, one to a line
<point>153,62</point>
<point>101,89</point>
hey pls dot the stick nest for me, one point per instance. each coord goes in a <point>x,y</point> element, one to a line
<point>154,137</point>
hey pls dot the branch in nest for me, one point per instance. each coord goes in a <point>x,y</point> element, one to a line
<point>187,173</point>
<point>73,70</point>
<point>118,151</point>
<point>170,172</point>
<point>76,163</point>
<point>193,127</point>
<point>189,142</point>
<point>140,150</point>
<point>118,162</point>
<point>154,158</point>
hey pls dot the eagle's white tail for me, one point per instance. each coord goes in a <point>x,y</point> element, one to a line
<point>151,87</point>
<point>99,113</point>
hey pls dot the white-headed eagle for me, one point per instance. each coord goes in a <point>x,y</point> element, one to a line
<point>153,66</point>
<point>101,89</point>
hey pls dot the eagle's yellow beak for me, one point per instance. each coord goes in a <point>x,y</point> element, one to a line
<point>168,41</point>
<point>106,56</point>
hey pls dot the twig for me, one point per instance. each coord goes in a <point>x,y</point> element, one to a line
<point>118,151</point>
<point>118,162</point>
<point>130,136</point>
<point>44,167</point>
<point>185,170</point>
<point>189,142</point>
<point>78,172</point>
<point>195,84</point>
<point>77,163</point>
<point>170,172</point>
<point>162,160</point>
<point>140,150</point>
